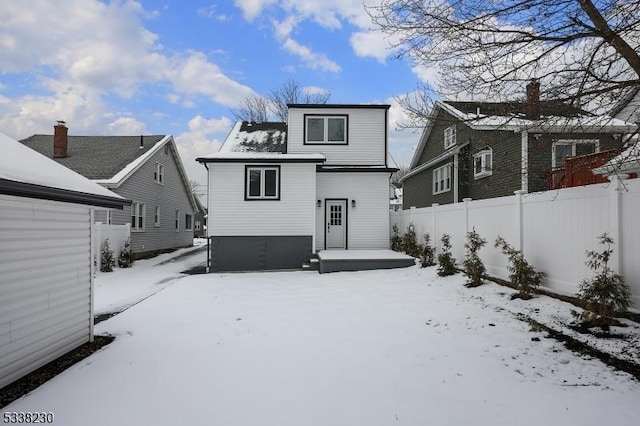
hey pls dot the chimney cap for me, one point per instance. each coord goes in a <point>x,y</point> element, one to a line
<point>60,122</point>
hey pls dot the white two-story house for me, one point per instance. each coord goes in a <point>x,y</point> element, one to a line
<point>281,192</point>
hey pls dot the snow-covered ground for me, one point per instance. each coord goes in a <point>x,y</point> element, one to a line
<point>368,348</point>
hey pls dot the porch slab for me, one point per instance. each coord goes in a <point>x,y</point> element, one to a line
<point>362,260</point>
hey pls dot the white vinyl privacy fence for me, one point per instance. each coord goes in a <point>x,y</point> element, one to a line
<point>554,229</point>
<point>117,235</point>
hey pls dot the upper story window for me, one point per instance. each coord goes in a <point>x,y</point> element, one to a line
<point>137,216</point>
<point>482,163</point>
<point>262,183</point>
<point>564,148</point>
<point>442,179</point>
<point>326,129</point>
<point>449,136</point>
<point>158,173</point>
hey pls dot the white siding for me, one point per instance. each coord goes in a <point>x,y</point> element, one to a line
<point>366,136</point>
<point>368,221</point>
<point>45,282</point>
<point>231,215</point>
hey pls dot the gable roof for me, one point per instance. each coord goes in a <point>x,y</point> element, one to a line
<point>265,137</point>
<point>555,117</point>
<point>25,172</point>
<point>110,160</point>
<point>96,157</point>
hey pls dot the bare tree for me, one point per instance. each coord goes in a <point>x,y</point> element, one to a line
<point>583,52</point>
<point>262,108</point>
<point>253,108</point>
<point>291,92</point>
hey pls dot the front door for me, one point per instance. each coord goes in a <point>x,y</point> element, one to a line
<point>336,220</point>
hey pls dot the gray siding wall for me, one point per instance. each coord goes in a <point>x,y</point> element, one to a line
<point>170,196</point>
<point>540,153</point>
<point>45,283</point>
<point>507,156</point>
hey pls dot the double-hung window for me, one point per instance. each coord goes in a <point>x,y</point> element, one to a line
<point>442,179</point>
<point>326,129</point>
<point>177,221</point>
<point>449,136</point>
<point>158,173</point>
<point>262,183</point>
<point>156,217</point>
<point>188,222</point>
<point>482,163</point>
<point>137,216</point>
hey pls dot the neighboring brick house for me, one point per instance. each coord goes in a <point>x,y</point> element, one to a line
<point>483,150</point>
<point>144,169</point>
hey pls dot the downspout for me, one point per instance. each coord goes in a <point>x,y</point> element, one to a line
<point>455,177</point>
<point>524,162</point>
<point>208,267</point>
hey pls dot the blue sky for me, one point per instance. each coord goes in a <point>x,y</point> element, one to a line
<point>178,67</point>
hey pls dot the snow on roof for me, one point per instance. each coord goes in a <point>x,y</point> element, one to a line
<point>256,137</point>
<point>20,163</point>
<point>518,121</point>
<point>628,161</point>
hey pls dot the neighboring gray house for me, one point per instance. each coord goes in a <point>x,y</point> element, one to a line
<point>200,220</point>
<point>279,193</point>
<point>144,169</point>
<point>46,268</point>
<point>490,149</point>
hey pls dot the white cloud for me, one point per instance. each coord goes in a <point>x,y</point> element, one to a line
<point>372,44</point>
<point>252,8</point>
<point>79,52</point>
<point>312,59</point>
<point>195,75</point>
<point>210,12</point>
<point>127,126</point>
<point>205,136</point>
<point>314,90</point>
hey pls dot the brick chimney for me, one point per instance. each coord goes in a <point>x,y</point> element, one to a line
<point>532,105</point>
<point>60,140</point>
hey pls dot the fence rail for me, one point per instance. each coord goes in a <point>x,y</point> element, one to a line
<point>554,229</point>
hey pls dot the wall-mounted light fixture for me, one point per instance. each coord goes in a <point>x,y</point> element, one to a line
<point>319,203</point>
<point>537,135</point>
<point>353,203</point>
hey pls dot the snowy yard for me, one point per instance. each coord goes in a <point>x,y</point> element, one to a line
<point>299,348</point>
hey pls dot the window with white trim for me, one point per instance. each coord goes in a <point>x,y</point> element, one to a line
<point>262,183</point>
<point>188,222</point>
<point>330,129</point>
<point>156,217</point>
<point>177,220</point>
<point>449,136</point>
<point>442,179</point>
<point>158,173</point>
<point>563,148</point>
<point>197,226</point>
<point>482,163</point>
<point>137,216</point>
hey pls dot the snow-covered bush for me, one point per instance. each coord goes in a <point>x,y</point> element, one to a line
<point>428,254</point>
<point>521,273</point>
<point>473,266</point>
<point>446,261</point>
<point>607,291</point>
<point>125,260</point>
<point>107,260</point>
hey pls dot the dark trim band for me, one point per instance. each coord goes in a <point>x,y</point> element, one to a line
<point>23,189</point>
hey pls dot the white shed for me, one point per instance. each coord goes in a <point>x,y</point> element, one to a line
<point>46,268</point>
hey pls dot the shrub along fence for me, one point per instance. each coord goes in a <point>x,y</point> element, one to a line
<point>116,234</point>
<point>554,229</point>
